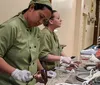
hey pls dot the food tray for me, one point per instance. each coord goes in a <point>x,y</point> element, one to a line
<point>82,75</point>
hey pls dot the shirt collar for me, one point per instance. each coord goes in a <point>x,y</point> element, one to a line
<point>21,17</point>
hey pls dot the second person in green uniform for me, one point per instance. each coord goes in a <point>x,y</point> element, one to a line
<point>50,49</point>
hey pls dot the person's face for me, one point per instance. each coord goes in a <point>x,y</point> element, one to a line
<point>37,17</point>
<point>56,21</point>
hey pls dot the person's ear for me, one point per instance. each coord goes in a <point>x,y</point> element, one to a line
<point>51,21</point>
<point>31,7</point>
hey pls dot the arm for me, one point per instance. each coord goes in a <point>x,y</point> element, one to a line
<point>46,52</point>
<point>5,67</point>
<point>52,58</point>
<point>7,37</point>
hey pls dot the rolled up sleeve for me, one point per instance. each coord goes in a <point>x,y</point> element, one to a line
<point>6,38</point>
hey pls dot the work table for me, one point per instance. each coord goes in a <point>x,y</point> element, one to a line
<point>62,77</point>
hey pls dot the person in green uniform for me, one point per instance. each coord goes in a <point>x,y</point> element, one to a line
<point>19,44</point>
<point>50,49</point>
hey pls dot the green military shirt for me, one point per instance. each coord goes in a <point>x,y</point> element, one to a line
<point>49,45</point>
<point>19,47</point>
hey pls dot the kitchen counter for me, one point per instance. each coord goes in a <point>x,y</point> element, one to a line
<point>67,77</point>
<point>63,77</point>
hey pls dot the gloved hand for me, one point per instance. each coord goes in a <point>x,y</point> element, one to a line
<point>22,75</point>
<point>93,58</point>
<point>51,74</point>
<point>85,83</point>
<point>67,60</point>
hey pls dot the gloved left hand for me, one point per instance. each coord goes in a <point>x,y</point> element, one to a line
<point>64,59</point>
<point>85,83</point>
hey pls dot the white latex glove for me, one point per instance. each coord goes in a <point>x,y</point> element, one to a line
<point>67,60</point>
<point>94,59</point>
<point>22,75</point>
<point>85,83</point>
<point>51,74</point>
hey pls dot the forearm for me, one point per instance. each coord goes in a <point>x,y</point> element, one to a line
<point>40,67</point>
<point>5,67</point>
<point>53,57</point>
<point>62,59</point>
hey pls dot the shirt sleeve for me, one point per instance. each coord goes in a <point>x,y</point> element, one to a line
<point>7,37</point>
<point>44,46</point>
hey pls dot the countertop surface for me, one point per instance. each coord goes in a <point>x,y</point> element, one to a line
<point>63,77</point>
<point>66,77</point>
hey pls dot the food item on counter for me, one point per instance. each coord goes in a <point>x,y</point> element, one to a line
<point>69,68</point>
<point>98,66</point>
<point>75,65</point>
<point>78,62</point>
<point>66,84</point>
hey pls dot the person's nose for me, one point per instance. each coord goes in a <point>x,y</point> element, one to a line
<point>60,20</point>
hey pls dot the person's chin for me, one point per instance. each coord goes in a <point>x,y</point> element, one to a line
<point>60,26</point>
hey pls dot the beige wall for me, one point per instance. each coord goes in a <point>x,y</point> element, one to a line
<point>78,26</point>
<point>9,8</point>
<point>66,9</point>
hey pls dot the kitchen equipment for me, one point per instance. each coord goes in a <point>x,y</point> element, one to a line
<point>90,66</point>
<point>95,75</point>
<point>82,75</point>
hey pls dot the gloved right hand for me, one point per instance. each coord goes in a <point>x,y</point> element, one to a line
<point>67,60</point>
<point>22,75</point>
<point>85,83</point>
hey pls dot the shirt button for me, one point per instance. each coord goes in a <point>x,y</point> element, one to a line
<point>31,63</point>
<point>27,29</point>
<point>34,46</point>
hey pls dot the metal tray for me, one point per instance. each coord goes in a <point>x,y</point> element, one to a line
<point>82,75</point>
<point>89,67</point>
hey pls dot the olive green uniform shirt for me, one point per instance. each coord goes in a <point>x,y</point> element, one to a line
<point>49,45</point>
<point>19,47</point>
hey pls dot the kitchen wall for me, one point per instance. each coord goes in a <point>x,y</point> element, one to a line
<point>9,8</point>
<point>75,32</point>
<point>67,10</point>
<point>89,14</point>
